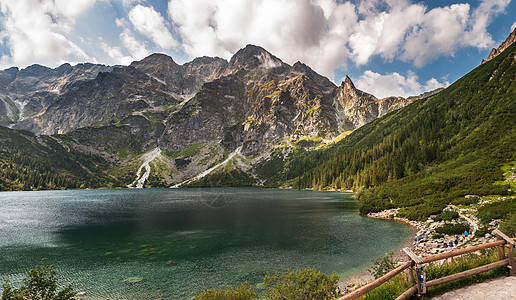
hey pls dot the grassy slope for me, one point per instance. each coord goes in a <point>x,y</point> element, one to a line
<point>28,162</point>
<point>430,153</point>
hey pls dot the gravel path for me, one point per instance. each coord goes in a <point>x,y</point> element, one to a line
<point>503,288</point>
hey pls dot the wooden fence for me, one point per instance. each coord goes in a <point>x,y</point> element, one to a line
<point>416,264</point>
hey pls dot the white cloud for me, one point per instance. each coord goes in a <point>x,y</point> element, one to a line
<point>413,34</point>
<point>395,84</point>
<point>433,84</point>
<point>326,33</point>
<point>137,49</point>
<point>315,32</point>
<point>115,53</point>
<point>513,26</point>
<point>151,24</point>
<point>34,31</point>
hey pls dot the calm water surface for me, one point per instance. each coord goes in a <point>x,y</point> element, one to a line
<point>181,241</point>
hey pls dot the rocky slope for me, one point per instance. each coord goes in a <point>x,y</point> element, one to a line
<point>28,92</point>
<point>495,52</point>
<point>250,103</point>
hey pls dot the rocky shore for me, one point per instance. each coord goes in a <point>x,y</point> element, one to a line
<point>428,242</point>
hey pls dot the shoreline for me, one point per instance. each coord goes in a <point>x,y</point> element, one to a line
<point>354,281</point>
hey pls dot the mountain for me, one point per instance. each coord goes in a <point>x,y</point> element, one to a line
<point>428,154</point>
<point>188,118</point>
<point>509,41</point>
<point>28,92</point>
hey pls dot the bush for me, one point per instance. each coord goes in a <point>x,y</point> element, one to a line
<point>437,236</point>
<point>481,232</point>
<point>508,226</point>
<point>243,292</point>
<point>382,265</point>
<point>452,229</point>
<point>39,284</point>
<point>301,284</point>
<point>447,215</point>
<point>419,212</point>
<point>497,210</point>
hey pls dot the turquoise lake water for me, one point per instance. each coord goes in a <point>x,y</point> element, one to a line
<point>182,241</point>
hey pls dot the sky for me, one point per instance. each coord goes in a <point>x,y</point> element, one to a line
<point>387,47</point>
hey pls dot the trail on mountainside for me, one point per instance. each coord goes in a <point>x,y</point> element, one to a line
<point>147,158</point>
<point>203,174</point>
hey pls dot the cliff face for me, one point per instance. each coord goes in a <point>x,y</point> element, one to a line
<point>356,108</point>
<point>495,52</point>
<point>28,92</point>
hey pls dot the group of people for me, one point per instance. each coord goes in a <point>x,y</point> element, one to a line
<point>454,243</point>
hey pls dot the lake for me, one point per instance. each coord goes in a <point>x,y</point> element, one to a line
<point>178,242</point>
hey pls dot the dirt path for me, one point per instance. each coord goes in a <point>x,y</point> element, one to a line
<point>503,288</point>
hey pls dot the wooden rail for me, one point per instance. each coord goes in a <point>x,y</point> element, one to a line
<point>420,281</point>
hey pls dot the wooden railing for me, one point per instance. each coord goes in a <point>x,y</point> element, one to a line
<point>416,264</point>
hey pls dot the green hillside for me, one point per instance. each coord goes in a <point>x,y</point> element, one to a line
<point>428,154</point>
<point>30,162</point>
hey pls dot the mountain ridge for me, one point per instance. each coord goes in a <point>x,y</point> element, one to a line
<point>251,102</point>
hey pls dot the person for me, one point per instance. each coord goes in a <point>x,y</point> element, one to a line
<point>456,242</point>
<point>451,244</point>
<point>465,232</point>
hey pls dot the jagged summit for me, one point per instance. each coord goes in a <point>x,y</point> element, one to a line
<point>251,57</point>
<point>155,58</point>
<point>347,84</point>
<point>495,52</point>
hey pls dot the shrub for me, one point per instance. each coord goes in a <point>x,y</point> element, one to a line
<point>508,226</point>
<point>447,215</point>
<point>38,284</point>
<point>382,265</point>
<point>481,232</point>
<point>497,210</point>
<point>301,284</point>
<point>437,236</point>
<point>419,212</point>
<point>452,229</point>
<point>243,292</point>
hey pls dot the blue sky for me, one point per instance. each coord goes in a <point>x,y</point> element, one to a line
<point>387,47</point>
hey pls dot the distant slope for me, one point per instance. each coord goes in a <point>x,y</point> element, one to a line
<point>30,162</point>
<point>432,152</point>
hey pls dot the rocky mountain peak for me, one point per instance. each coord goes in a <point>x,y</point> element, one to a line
<point>252,57</point>
<point>155,58</point>
<point>509,41</point>
<point>347,84</point>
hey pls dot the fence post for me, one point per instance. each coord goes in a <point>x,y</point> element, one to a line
<point>421,284</point>
<point>410,275</point>
<point>510,251</point>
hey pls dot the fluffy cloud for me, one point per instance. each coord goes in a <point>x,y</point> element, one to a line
<point>115,53</point>
<point>513,26</point>
<point>395,84</point>
<point>413,34</point>
<point>315,32</point>
<point>151,24</point>
<point>326,33</point>
<point>137,48</point>
<point>34,31</point>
